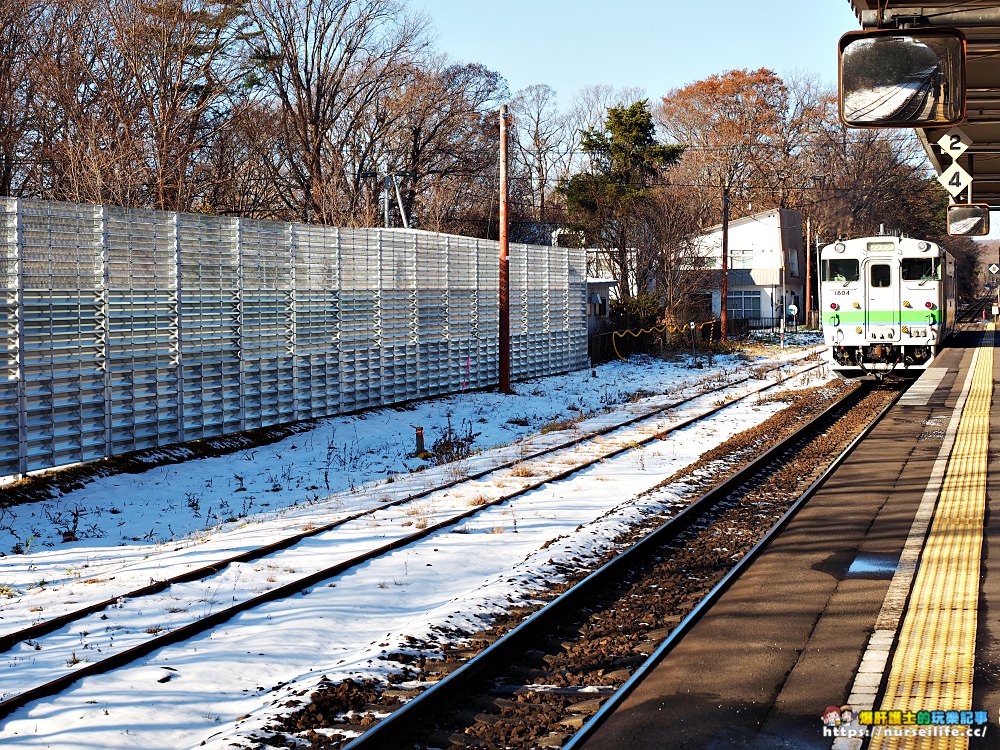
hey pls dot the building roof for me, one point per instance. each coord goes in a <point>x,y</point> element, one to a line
<point>747,219</point>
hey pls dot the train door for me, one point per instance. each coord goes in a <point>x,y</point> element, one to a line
<point>882,308</point>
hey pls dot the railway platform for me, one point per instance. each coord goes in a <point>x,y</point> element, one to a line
<point>872,620</point>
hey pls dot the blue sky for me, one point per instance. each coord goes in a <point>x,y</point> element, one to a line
<point>656,45</point>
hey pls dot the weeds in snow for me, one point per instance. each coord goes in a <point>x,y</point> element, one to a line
<point>559,425</point>
<point>521,469</point>
<point>453,445</point>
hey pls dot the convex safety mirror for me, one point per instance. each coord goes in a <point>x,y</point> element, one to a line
<point>968,219</point>
<point>911,78</point>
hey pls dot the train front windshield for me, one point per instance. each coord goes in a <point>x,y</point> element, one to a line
<point>841,269</point>
<point>921,269</point>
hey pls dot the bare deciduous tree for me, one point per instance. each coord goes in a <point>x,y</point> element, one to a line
<point>324,61</point>
<point>543,142</point>
<point>447,115</point>
<point>181,61</point>
<point>22,34</point>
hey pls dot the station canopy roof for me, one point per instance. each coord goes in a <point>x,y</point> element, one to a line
<point>979,21</point>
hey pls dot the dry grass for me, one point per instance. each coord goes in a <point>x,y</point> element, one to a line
<point>560,424</point>
<point>522,469</point>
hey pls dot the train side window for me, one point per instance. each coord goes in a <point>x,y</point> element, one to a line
<point>921,269</point>
<point>841,269</point>
<point>881,276</point>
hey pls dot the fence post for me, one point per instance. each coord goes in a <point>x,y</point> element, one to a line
<point>694,349</point>
<point>105,330</point>
<point>337,334</point>
<point>240,358</point>
<point>179,326</point>
<point>293,311</point>
<point>22,388</point>
<point>378,313</point>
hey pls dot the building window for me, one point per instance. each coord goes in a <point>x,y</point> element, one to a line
<point>741,258</point>
<point>793,262</point>
<point>741,304</point>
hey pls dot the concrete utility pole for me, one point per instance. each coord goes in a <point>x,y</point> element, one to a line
<point>389,183</point>
<point>504,270</point>
<point>723,335</point>
<point>385,199</point>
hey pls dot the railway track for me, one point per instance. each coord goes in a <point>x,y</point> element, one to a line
<point>108,646</point>
<point>902,107</point>
<point>546,679</point>
<point>974,313</point>
<point>369,499</point>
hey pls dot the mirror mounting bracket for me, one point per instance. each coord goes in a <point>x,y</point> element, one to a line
<point>908,22</point>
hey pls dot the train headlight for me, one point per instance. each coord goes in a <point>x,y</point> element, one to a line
<point>857,329</point>
<point>840,247</point>
<point>857,305</point>
<point>905,329</point>
<point>923,246</point>
<point>906,303</point>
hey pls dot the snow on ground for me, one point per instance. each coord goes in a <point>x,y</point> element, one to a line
<point>134,528</point>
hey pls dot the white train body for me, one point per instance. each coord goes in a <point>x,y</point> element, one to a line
<point>886,304</point>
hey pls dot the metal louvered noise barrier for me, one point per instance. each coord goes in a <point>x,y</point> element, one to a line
<point>132,329</point>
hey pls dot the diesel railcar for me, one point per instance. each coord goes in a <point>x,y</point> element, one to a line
<point>886,304</point>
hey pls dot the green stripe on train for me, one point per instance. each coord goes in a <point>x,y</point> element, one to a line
<point>884,317</point>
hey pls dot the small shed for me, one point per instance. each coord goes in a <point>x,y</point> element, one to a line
<point>598,293</point>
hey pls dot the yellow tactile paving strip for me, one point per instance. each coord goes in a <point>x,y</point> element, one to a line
<point>933,663</point>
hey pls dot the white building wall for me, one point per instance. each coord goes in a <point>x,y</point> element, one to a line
<point>757,246</point>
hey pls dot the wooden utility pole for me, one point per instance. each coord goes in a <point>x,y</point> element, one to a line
<point>809,291</point>
<point>504,270</point>
<point>723,334</point>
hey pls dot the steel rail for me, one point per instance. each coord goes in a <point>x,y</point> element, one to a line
<point>689,621</point>
<point>9,640</point>
<point>293,587</point>
<point>414,715</point>
<point>972,313</point>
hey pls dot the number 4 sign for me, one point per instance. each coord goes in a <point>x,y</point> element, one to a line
<point>955,179</point>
